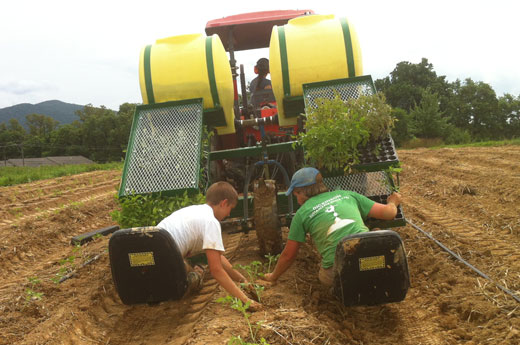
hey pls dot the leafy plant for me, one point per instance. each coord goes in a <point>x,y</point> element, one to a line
<point>253,271</point>
<point>96,236</point>
<point>30,293</point>
<point>335,129</point>
<point>67,265</point>
<point>389,179</point>
<point>271,261</point>
<point>150,209</point>
<point>378,114</point>
<point>238,305</point>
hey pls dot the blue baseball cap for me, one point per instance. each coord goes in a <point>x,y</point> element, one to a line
<point>302,178</point>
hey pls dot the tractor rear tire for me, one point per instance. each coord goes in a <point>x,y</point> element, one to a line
<point>267,223</point>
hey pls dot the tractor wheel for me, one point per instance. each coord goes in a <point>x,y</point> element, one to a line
<point>267,223</point>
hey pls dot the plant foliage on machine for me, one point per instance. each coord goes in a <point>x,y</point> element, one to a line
<point>336,129</point>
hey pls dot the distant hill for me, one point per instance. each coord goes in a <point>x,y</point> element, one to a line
<point>58,110</point>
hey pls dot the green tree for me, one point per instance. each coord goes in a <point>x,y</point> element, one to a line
<point>406,83</point>
<point>104,133</point>
<point>121,133</point>
<point>475,108</point>
<point>41,125</point>
<point>39,136</point>
<point>12,137</point>
<point>97,125</point>
<point>67,141</point>
<point>509,108</point>
<point>404,126</point>
<point>427,117</point>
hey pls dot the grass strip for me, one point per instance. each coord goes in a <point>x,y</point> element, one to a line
<point>10,176</point>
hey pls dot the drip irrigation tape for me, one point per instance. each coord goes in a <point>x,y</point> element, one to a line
<point>480,273</point>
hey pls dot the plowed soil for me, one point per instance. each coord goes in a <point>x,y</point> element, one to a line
<point>466,198</point>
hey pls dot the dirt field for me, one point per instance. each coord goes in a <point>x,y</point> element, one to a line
<point>466,198</point>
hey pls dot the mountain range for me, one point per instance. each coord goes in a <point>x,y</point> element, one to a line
<point>62,112</point>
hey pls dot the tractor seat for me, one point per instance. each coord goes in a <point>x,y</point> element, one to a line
<point>371,268</point>
<point>260,98</point>
<point>147,265</point>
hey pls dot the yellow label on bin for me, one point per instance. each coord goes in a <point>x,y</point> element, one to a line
<point>372,263</point>
<point>141,259</point>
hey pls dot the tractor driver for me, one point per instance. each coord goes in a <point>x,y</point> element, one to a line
<point>328,217</point>
<point>260,87</point>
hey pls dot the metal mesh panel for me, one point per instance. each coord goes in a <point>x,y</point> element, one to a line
<point>368,184</point>
<point>345,88</point>
<point>164,150</point>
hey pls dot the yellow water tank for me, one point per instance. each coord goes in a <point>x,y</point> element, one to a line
<point>186,67</point>
<point>311,49</point>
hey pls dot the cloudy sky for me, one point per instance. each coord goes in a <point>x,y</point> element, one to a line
<point>88,51</point>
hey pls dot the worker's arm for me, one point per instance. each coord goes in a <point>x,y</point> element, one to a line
<point>221,276</point>
<point>386,211</point>
<point>233,273</point>
<point>285,261</point>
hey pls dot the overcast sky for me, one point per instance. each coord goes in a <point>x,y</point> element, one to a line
<point>88,51</point>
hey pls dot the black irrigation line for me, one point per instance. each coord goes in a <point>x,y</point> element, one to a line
<point>73,273</point>
<point>480,273</point>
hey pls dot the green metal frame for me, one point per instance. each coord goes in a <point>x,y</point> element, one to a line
<point>341,81</point>
<point>131,140</point>
<point>212,117</point>
<point>293,106</point>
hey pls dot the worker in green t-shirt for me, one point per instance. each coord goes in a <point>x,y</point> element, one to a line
<point>327,217</point>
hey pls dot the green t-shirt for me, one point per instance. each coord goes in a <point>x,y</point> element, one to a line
<point>328,217</point>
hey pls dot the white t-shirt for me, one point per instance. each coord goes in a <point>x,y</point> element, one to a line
<point>195,229</point>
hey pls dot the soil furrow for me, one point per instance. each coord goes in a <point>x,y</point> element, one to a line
<point>466,198</point>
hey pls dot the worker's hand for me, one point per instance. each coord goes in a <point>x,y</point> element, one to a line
<point>264,282</point>
<point>255,306</point>
<point>269,278</point>
<point>394,198</point>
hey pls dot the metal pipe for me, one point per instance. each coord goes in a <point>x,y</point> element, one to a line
<point>258,121</point>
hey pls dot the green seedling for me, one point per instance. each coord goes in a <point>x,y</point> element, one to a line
<point>257,289</point>
<point>252,270</point>
<point>96,236</point>
<point>30,293</point>
<point>76,204</point>
<point>271,261</point>
<point>238,305</point>
<point>67,265</point>
<point>388,181</point>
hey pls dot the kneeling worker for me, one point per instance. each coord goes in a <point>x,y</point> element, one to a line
<point>328,217</point>
<point>196,229</point>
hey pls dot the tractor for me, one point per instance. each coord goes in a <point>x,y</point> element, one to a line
<point>193,119</point>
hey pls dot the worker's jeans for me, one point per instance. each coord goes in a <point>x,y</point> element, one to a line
<point>326,276</point>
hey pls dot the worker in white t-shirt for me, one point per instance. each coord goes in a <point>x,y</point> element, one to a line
<point>196,229</point>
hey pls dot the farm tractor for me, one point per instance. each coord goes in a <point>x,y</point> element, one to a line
<point>194,129</point>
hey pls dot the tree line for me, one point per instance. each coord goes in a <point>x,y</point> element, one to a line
<point>426,106</point>
<point>100,134</point>
<point>429,107</point>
